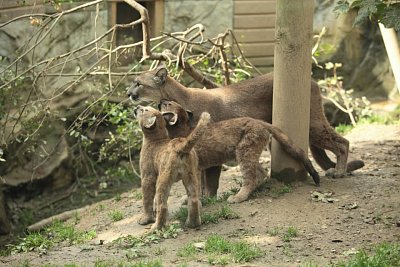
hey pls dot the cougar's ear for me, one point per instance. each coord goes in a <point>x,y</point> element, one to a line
<point>149,122</point>
<point>170,117</point>
<point>161,76</point>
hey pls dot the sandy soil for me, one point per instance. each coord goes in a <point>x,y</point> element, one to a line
<point>351,213</point>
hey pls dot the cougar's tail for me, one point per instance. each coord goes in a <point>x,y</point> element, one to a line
<point>197,133</point>
<point>294,151</point>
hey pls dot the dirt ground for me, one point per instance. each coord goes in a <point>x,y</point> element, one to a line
<point>350,213</point>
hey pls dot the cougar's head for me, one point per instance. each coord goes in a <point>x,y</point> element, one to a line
<point>147,86</point>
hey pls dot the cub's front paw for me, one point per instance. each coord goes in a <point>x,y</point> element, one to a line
<point>146,219</point>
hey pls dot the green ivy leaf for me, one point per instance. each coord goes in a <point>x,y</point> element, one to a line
<point>341,7</point>
<point>368,8</point>
<point>391,17</point>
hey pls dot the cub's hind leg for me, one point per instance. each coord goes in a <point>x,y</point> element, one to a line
<point>164,183</point>
<point>248,152</point>
<point>192,184</point>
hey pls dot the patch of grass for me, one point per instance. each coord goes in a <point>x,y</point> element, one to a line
<point>181,214</point>
<point>309,264</point>
<point>116,215</point>
<point>25,216</point>
<point>103,263</point>
<point>56,233</point>
<point>217,244</point>
<point>171,231</point>
<point>384,255</point>
<point>290,233</point>
<point>229,251</point>
<point>273,231</point>
<point>160,251</point>
<point>343,128</point>
<point>276,192</point>
<point>207,218</point>
<point>188,250</point>
<point>224,213</point>
<point>138,195</point>
<point>206,201</point>
<point>118,197</point>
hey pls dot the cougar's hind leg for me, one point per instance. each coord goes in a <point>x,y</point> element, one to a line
<point>328,139</point>
<point>321,158</point>
<point>211,181</point>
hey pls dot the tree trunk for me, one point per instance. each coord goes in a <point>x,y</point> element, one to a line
<point>392,48</point>
<point>292,80</point>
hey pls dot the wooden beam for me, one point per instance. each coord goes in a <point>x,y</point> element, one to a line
<point>292,82</point>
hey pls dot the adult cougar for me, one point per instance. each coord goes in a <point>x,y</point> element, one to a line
<point>241,139</point>
<point>250,98</point>
<point>164,161</point>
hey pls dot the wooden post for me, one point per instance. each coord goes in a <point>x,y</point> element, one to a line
<point>292,83</point>
<point>389,37</point>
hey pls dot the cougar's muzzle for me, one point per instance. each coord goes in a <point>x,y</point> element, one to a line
<point>132,92</point>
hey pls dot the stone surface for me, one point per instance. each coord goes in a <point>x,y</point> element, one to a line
<point>366,66</point>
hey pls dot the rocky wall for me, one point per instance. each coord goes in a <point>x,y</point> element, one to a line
<point>361,50</point>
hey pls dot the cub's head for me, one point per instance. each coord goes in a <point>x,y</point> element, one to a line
<point>151,121</point>
<point>174,113</point>
<point>146,86</point>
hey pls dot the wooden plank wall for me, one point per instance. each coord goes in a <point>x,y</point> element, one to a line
<point>254,27</point>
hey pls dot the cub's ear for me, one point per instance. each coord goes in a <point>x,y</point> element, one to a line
<point>170,117</point>
<point>190,115</point>
<point>149,122</point>
<point>161,76</point>
<point>190,118</point>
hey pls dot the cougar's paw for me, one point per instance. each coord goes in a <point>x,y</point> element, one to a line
<point>146,219</point>
<point>155,227</point>
<point>333,173</point>
<point>237,198</point>
<point>193,223</point>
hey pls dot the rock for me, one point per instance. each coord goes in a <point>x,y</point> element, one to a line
<point>199,245</point>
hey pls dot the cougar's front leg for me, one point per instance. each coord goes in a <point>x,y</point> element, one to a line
<point>211,181</point>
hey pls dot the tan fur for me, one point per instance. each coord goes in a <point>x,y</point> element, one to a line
<point>250,98</point>
<point>164,161</point>
<point>241,139</point>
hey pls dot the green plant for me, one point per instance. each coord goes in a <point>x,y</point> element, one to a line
<point>116,215</point>
<point>118,197</point>
<point>343,128</point>
<point>385,11</point>
<point>187,251</point>
<point>225,212</point>
<point>56,233</point>
<point>333,90</point>
<point>385,254</point>
<point>171,231</point>
<point>181,214</point>
<point>273,231</point>
<point>290,233</point>
<point>238,251</point>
